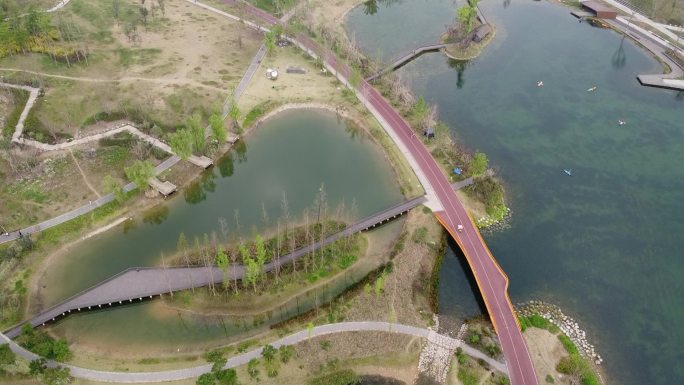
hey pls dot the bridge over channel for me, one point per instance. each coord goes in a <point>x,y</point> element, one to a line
<point>398,63</point>
<point>490,277</point>
<point>137,284</point>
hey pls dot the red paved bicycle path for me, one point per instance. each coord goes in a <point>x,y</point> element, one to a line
<point>491,279</point>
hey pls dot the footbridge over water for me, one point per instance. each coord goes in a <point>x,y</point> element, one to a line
<point>398,63</point>
<point>140,283</point>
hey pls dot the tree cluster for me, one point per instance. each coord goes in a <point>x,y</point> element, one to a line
<point>218,375</point>
<point>35,32</point>
<point>191,139</point>
<point>253,255</point>
<point>39,342</point>
<point>50,376</point>
<point>140,173</point>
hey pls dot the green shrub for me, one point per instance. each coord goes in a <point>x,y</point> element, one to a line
<point>466,376</point>
<point>42,344</point>
<point>286,353</point>
<point>420,235</point>
<point>474,338</point>
<point>539,322</point>
<point>568,344</point>
<point>346,261</point>
<point>7,356</point>
<point>257,112</point>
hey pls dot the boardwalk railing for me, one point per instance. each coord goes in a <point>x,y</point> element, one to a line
<point>143,282</point>
<point>139,283</point>
<point>405,59</point>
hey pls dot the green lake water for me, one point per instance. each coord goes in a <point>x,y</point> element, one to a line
<point>605,244</point>
<point>294,154</point>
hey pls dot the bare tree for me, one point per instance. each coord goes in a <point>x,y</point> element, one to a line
<point>306,240</point>
<point>277,253</point>
<point>223,228</point>
<point>237,223</point>
<point>182,248</point>
<point>264,215</point>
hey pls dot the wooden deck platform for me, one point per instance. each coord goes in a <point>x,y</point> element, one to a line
<point>201,161</point>
<point>165,188</point>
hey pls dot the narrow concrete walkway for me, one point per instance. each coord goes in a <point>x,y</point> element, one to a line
<point>33,95</point>
<point>242,359</point>
<point>165,165</point>
<point>659,48</point>
<point>621,5</point>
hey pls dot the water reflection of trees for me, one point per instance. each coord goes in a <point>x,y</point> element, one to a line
<point>156,215</point>
<point>240,148</point>
<point>619,58</point>
<point>196,192</point>
<point>225,165</point>
<point>460,67</point>
<point>679,96</point>
<point>370,7</point>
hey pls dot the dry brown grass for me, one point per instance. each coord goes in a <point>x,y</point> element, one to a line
<point>404,298</point>
<point>546,350</point>
<point>185,60</point>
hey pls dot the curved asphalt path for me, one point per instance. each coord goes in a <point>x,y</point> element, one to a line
<point>491,279</point>
<point>181,374</point>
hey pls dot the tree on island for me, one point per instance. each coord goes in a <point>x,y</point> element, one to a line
<point>466,15</point>
<point>252,271</point>
<point>223,264</point>
<point>479,164</point>
<point>140,173</point>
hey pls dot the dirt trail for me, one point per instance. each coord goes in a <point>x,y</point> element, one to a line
<point>162,81</point>
<point>85,179</point>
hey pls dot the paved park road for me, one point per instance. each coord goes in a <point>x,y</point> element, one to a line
<point>342,327</point>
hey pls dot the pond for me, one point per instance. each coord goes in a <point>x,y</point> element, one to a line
<point>291,155</point>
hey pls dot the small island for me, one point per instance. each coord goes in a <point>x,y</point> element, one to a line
<point>470,34</point>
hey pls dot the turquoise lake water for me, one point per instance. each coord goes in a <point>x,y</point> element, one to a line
<point>605,244</point>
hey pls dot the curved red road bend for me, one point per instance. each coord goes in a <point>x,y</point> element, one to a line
<point>491,279</point>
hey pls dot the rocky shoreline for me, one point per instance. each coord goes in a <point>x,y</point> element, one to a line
<point>567,325</point>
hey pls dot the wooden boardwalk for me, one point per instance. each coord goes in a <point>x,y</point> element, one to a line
<point>137,284</point>
<point>405,59</point>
